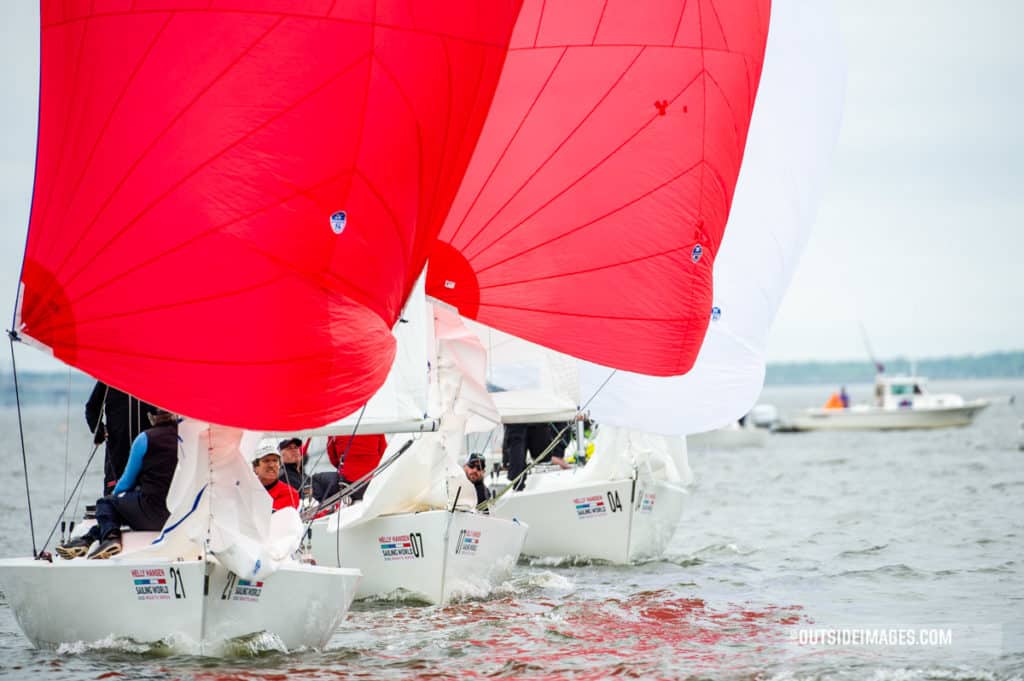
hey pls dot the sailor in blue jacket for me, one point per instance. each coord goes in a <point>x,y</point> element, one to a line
<point>139,499</point>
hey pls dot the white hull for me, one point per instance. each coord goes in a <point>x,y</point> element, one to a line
<point>876,418</point>
<point>434,556</point>
<point>158,600</point>
<point>729,438</point>
<point>619,522</point>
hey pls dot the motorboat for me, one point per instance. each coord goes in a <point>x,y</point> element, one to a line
<point>901,403</point>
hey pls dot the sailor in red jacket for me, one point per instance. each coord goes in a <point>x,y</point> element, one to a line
<point>355,456</point>
<point>267,466</point>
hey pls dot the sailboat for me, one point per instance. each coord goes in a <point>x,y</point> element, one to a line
<point>550,241</point>
<point>622,506</point>
<point>231,207</point>
<point>416,534</point>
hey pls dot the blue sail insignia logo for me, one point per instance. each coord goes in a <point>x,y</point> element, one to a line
<point>696,253</point>
<point>338,221</point>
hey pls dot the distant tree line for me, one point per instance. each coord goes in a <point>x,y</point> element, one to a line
<point>37,387</point>
<point>53,388</point>
<point>992,365</point>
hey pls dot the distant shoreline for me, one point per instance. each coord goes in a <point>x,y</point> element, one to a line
<point>989,365</point>
<point>53,387</point>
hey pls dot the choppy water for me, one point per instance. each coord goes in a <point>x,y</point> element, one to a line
<point>916,531</point>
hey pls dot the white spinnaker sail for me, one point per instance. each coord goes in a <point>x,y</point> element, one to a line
<point>792,136</point>
<point>401,404</point>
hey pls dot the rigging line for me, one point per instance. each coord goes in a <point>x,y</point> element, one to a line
<point>599,389</point>
<point>67,503</point>
<point>879,367</point>
<point>99,422</point>
<point>67,440</point>
<point>12,335</point>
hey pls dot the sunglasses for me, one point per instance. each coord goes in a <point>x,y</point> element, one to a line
<point>479,465</point>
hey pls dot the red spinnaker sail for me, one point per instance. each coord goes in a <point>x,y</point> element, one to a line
<point>233,198</point>
<point>593,208</point>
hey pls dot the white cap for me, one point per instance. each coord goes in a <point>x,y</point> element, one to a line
<point>265,450</point>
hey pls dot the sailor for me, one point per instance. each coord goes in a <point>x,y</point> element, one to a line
<point>126,417</point>
<point>355,456</point>
<point>139,499</point>
<point>267,466</point>
<point>537,438</point>
<point>844,398</point>
<point>474,468</point>
<point>293,461</point>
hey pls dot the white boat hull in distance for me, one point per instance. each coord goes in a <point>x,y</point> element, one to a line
<point>150,601</point>
<point>877,418</point>
<point>618,521</point>
<point>433,556</point>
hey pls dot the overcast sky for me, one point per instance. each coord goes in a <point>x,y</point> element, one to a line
<point>918,236</point>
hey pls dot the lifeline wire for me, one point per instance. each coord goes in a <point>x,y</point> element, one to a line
<point>21,433</point>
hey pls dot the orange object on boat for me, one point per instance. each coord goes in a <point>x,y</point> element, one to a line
<point>834,402</point>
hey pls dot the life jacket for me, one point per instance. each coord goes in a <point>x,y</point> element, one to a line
<point>161,459</point>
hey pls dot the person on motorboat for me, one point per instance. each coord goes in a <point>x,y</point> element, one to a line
<point>267,466</point>
<point>125,417</point>
<point>535,437</point>
<point>139,499</point>
<point>474,468</point>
